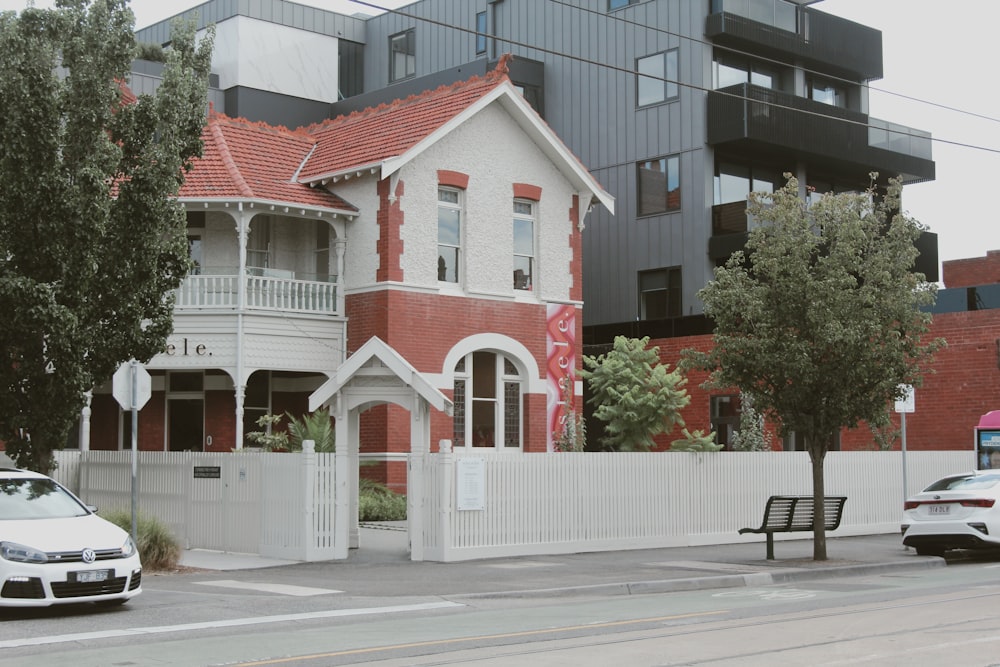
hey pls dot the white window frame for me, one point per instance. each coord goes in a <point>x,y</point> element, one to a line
<point>525,212</point>
<point>456,206</point>
<point>465,437</point>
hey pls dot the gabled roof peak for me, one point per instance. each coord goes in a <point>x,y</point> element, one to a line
<point>490,79</point>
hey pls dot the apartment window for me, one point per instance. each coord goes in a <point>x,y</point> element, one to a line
<point>734,182</point>
<point>656,79</point>
<point>725,418</point>
<point>402,55</point>
<point>659,185</point>
<point>524,244</point>
<point>827,92</point>
<point>731,70</point>
<point>449,235</point>
<point>481,32</point>
<point>618,4</point>
<point>660,293</point>
<point>487,400</point>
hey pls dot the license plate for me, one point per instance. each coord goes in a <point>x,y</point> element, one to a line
<point>90,576</point>
<point>939,509</point>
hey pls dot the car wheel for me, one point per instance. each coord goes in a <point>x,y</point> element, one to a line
<point>930,551</point>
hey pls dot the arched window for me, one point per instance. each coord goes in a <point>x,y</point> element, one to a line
<point>487,402</point>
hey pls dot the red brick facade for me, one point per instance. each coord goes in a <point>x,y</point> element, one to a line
<point>973,271</point>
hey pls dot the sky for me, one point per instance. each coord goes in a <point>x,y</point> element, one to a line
<point>934,51</point>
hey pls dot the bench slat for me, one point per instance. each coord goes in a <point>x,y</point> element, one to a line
<point>787,514</point>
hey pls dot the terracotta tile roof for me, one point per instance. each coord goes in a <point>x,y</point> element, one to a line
<point>246,160</point>
<point>378,133</point>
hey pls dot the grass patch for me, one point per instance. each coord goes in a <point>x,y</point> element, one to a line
<point>158,548</point>
<point>378,503</point>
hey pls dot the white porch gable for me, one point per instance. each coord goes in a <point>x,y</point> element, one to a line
<point>374,375</point>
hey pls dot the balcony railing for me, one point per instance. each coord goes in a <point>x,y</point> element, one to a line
<point>218,289</point>
<point>822,41</point>
<point>757,118</point>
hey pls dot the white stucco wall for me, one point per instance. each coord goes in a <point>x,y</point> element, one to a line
<point>279,59</point>
<point>493,150</point>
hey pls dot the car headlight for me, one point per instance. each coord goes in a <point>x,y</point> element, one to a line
<point>21,554</point>
<point>129,547</point>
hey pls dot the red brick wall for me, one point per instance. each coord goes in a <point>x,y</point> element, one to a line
<point>964,384</point>
<point>389,246</point>
<point>973,271</point>
<point>220,420</point>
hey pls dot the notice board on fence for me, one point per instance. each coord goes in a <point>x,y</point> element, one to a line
<point>470,487</point>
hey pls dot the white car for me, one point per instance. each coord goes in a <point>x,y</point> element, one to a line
<point>960,511</point>
<point>56,550</point>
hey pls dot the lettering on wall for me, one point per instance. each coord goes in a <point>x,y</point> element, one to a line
<point>187,348</point>
<point>561,366</point>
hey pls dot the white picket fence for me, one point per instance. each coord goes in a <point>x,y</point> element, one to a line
<point>576,502</point>
<point>282,505</point>
<point>277,505</point>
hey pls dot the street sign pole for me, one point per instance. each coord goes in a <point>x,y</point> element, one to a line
<point>132,387</point>
<point>904,405</point>
<point>135,442</point>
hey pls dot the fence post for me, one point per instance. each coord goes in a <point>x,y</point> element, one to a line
<point>446,463</point>
<point>308,498</point>
<point>341,493</point>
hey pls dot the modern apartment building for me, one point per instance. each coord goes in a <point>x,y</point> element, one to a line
<point>678,108</point>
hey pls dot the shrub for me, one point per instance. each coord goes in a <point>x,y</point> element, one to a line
<point>157,547</point>
<point>378,503</point>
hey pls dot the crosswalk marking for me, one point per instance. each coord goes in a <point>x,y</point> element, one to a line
<point>263,587</point>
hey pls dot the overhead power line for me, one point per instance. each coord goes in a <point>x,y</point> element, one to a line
<point>632,72</point>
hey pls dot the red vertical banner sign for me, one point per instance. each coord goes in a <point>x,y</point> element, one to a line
<point>560,351</point>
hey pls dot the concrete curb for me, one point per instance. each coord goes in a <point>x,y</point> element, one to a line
<point>712,582</point>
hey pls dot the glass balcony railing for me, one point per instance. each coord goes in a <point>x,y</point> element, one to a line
<point>899,138</point>
<point>776,13</point>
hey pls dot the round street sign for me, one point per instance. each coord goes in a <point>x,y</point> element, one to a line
<point>122,383</point>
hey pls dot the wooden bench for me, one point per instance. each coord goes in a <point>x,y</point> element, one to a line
<point>790,514</point>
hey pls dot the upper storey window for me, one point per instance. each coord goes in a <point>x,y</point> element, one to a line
<point>657,78</point>
<point>618,4</point>
<point>827,92</point>
<point>402,55</point>
<point>658,186</point>
<point>481,32</point>
<point>449,235</point>
<point>731,70</point>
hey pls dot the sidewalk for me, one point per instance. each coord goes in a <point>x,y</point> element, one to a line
<point>382,567</point>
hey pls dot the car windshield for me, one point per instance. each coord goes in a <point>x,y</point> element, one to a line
<point>36,499</point>
<point>964,483</point>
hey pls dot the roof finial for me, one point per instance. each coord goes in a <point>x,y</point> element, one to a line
<point>503,64</point>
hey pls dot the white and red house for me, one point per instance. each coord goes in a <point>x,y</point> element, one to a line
<point>447,225</point>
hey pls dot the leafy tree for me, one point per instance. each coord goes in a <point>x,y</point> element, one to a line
<point>92,239</point>
<point>315,426</point>
<point>820,319</point>
<point>634,394</point>
<point>751,436</point>
<point>698,441</point>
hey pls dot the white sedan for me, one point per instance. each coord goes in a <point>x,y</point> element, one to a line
<point>956,512</point>
<point>55,550</point>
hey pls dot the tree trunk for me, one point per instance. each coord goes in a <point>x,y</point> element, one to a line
<point>817,455</point>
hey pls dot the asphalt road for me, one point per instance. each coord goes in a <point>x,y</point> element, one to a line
<point>911,616</point>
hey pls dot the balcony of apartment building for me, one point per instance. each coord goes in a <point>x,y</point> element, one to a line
<point>731,221</point>
<point>755,119</point>
<point>787,30</point>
